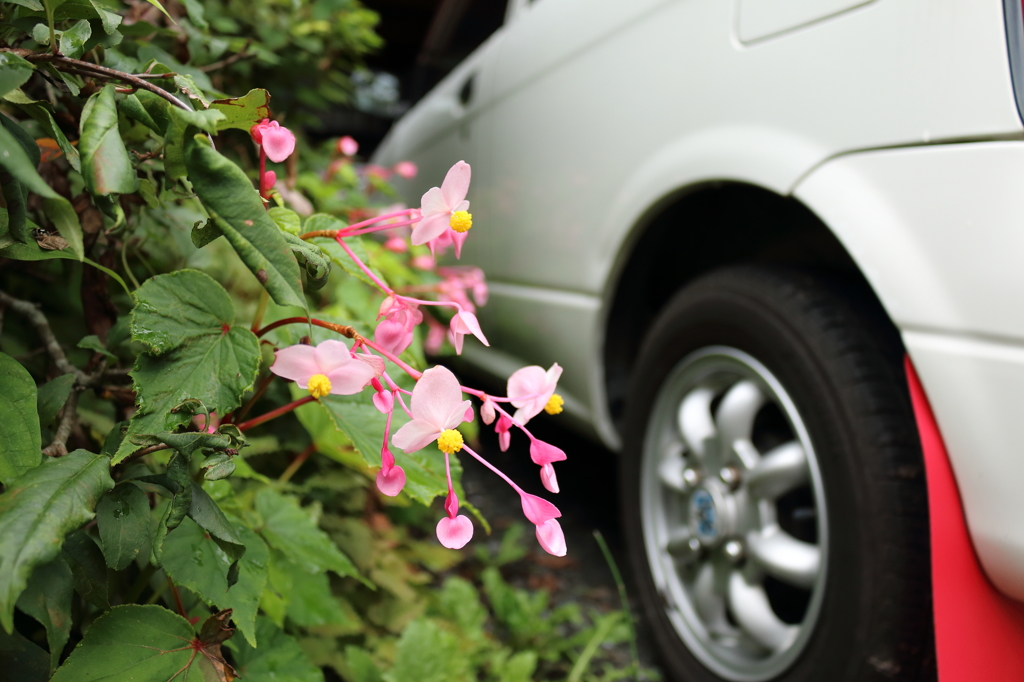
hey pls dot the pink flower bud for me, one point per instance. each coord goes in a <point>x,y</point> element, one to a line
<point>551,538</point>
<point>348,146</point>
<point>406,169</point>
<point>455,532</point>
<point>396,244</point>
<point>537,509</point>
<point>544,453</point>
<point>451,503</point>
<point>548,478</point>
<point>468,417</point>
<point>487,411</point>
<point>276,141</point>
<point>384,401</point>
<point>390,478</point>
<point>502,429</point>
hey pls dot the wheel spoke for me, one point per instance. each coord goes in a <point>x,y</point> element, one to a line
<point>784,557</point>
<point>780,470</point>
<point>695,422</point>
<point>683,547</point>
<point>753,613</point>
<point>708,601</point>
<point>736,413</point>
<point>671,469</point>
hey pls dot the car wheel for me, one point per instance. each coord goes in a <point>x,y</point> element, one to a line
<point>774,494</point>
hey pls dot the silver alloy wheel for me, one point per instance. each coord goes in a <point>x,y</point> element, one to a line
<point>734,514</point>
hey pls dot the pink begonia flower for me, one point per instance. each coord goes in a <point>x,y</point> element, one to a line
<point>436,406</point>
<point>278,142</point>
<point>396,244</point>
<point>327,368</point>
<point>348,146</point>
<point>383,400</point>
<point>435,336</point>
<point>454,530</point>
<point>548,478</point>
<point>394,332</point>
<point>502,429</point>
<point>487,411</point>
<point>465,322</point>
<point>551,538</point>
<point>545,453</point>
<point>440,204</point>
<point>530,389</point>
<point>423,262</point>
<point>406,169</point>
<point>391,477</point>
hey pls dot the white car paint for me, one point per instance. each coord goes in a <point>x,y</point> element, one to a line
<point>894,121</point>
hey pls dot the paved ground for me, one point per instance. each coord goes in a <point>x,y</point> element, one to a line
<point>588,500</point>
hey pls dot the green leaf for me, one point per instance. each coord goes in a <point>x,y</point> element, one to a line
<point>361,665</point>
<point>316,262</point>
<point>287,220</point>
<point>93,343</point>
<point>229,196</point>
<point>218,466</point>
<point>33,5</point>
<point>41,114</point>
<point>426,653</point>
<point>88,569</point>
<point>133,107</point>
<point>243,112</point>
<point>14,72</point>
<point>519,668</point>
<point>196,14</point>
<point>106,167</point>
<point>110,20</point>
<point>292,530</point>
<point>190,441</point>
<point>279,658</point>
<point>185,318</point>
<point>338,255</point>
<point>311,602</point>
<point>62,214</point>
<point>204,232</point>
<point>133,643</point>
<point>205,512</point>
<point>72,40</point>
<point>180,484</point>
<point>21,659</point>
<point>47,598</point>
<point>37,510</point>
<point>51,397</point>
<point>193,559</point>
<point>20,446</point>
<point>123,519</point>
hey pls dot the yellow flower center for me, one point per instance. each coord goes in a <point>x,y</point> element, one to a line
<point>554,405</point>
<point>450,441</point>
<point>461,221</point>
<point>319,385</point>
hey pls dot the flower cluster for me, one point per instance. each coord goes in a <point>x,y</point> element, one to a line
<point>437,404</point>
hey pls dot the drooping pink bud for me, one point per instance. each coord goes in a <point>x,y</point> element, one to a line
<point>406,169</point>
<point>551,537</point>
<point>544,453</point>
<point>348,146</point>
<point>487,411</point>
<point>537,509</point>
<point>278,142</point>
<point>385,306</point>
<point>455,532</point>
<point>451,504</point>
<point>384,401</point>
<point>391,477</point>
<point>502,429</point>
<point>469,414</point>
<point>270,178</point>
<point>465,322</point>
<point>548,478</point>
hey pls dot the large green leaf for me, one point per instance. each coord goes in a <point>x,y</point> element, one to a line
<point>20,447</point>
<point>312,603</point>
<point>193,559</point>
<point>88,569</point>
<point>279,658</point>
<point>14,71</point>
<point>47,598</point>
<point>51,397</point>
<point>185,318</point>
<point>42,116</point>
<point>229,196</point>
<point>106,167</point>
<point>243,112</point>
<point>136,643</point>
<point>428,653</point>
<point>37,510</point>
<point>123,519</point>
<point>292,530</point>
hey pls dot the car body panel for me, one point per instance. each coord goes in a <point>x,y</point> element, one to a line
<point>878,119</point>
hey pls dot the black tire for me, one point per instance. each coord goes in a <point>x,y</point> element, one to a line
<point>839,359</point>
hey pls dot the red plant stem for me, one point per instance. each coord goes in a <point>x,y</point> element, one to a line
<point>273,414</point>
<point>296,463</point>
<point>177,598</point>
<point>344,330</point>
<point>263,174</point>
<point>260,390</point>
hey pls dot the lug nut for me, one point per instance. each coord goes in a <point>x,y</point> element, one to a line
<point>730,476</point>
<point>734,550</point>
<point>690,478</point>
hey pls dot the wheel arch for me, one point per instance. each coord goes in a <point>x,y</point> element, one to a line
<point>694,230</point>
